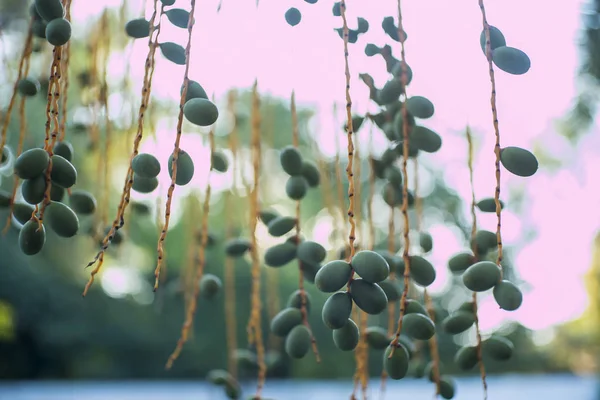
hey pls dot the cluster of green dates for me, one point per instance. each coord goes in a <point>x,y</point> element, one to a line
<point>146,167</point>
<point>481,275</point>
<point>139,28</point>
<point>61,210</point>
<point>49,22</point>
<point>303,174</point>
<point>509,59</point>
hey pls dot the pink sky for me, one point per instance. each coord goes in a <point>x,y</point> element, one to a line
<point>234,47</point>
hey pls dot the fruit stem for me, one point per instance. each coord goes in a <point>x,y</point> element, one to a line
<point>488,53</point>
<point>405,147</point>
<point>176,150</point>
<point>230,316</point>
<point>295,143</point>
<point>476,256</point>
<point>254,325</point>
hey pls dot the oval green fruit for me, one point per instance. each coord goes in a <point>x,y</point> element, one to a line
<point>145,165</point>
<point>137,28</point>
<point>185,168</point>
<point>61,219</point>
<point>22,212</point>
<point>426,242</point>
<point>377,337</point>
<point>372,50</point>
<point>346,337</point>
<point>194,91</point>
<point>498,347</point>
<point>297,343</point>
<point>390,92</point>
<point>63,173</point>
<point>425,139</point>
<point>285,321</point>
<point>392,289</point>
<point>33,190</point>
<point>58,32</point>
<point>237,247</point>
<point>481,276</point>
<point>485,241</point>
<point>333,276</point>
<point>281,225</point>
<point>458,322</point>
<point>466,358</point>
<point>336,310</point>
<point>291,161</point>
<point>396,366</point>
<point>422,271</point>
<point>210,285</point>
<point>219,161</point>
<point>311,173</point>
<point>311,252</point>
<point>178,17</point>
<point>371,266</point>
<point>173,52</point>
<point>418,326</point>
<point>296,187</point>
<point>28,87</point>
<point>511,60</point>
<point>5,198</point>
<point>280,254</point>
<point>420,107</point>
<point>31,163</point>
<point>414,307</point>
<point>267,216</point>
<point>144,185</point>
<point>201,112</point>
<point>295,300</point>
<point>447,387</point>
<point>496,39</point>
<point>32,238</point>
<point>82,202</point>
<point>39,29</point>
<point>367,296</point>
<point>64,149</point>
<point>49,9</point>
<point>293,16</point>
<point>507,295</point>
<point>489,205</point>
<point>519,161</point>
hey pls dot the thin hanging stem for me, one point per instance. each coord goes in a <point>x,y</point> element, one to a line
<point>254,325</point>
<point>476,255</point>
<point>405,146</point>
<point>22,131</point>
<point>186,81</point>
<point>26,53</point>
<point>230,315</point>
<point>497,148</point>
<point>295,143</point>
<point>350,131</point>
